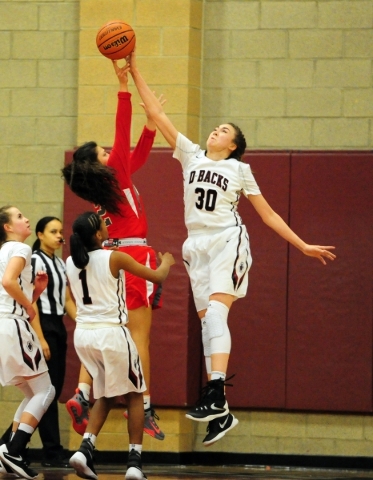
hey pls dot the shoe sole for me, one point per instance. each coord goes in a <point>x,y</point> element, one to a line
<point>221,434</point>
<point>208,418</point>
<point>6,470</point>
<point>78,462</point>
<point>17,471</point>
<point>134,474</point>
<point>75,410</point>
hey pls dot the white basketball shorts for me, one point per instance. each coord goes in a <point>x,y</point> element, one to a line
<point>21,354</point>
<point>111,358</point>
<point>217,263</point>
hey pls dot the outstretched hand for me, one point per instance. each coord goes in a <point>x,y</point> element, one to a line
<point>320,252</point>
<point>122,74</point>
<point>151,125</point>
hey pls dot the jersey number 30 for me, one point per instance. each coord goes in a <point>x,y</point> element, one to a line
<point>206,199</point>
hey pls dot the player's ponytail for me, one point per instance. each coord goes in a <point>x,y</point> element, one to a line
<point>4,218</point>
<point>240,142</point>
<point>90,180</point>
<point>83,239</point>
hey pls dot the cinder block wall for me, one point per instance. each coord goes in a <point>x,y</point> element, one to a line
<point>38,101</point>
<point>294,74</point>
<point>38,113</point>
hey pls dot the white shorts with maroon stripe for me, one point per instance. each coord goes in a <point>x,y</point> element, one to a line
<point>217,263</point>
<point>111,358</point>
<point>20,354</point>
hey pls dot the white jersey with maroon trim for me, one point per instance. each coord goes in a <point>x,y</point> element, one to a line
<point>8,306</point>
<point>100,298</point>
<point>212,188</point>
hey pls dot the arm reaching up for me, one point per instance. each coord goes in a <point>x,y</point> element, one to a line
<point>152,105</point>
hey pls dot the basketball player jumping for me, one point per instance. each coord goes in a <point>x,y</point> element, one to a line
<point>217,253</point>
<point>105,180</point>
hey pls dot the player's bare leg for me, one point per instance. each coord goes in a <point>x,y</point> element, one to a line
<point>135,433</point>
<point>139,324</point>
<point>82,460</point>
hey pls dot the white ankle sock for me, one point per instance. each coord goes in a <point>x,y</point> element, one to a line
<point>135,446</point>
<point>85,388</point>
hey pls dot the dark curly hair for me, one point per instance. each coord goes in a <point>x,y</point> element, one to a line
<point>240,142</point>
<point>91,180</point>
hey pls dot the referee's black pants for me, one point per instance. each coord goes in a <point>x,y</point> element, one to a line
<point>49,430</point>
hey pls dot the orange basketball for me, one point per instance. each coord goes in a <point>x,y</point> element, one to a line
<point>116,39</point>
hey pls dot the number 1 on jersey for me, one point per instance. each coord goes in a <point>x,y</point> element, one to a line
<point>83,278</point>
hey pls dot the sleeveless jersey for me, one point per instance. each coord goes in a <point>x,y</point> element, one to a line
<point>99,297</point>
<point>131,221</point>
<point>8,306</point>
<point>212,189</point>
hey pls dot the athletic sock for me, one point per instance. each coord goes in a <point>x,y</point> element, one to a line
<point>19,442</point>
<point>136,447</point>
<point>85,388</point>
<point>90,437</point>
<point>146,399</point>
<point>218,376</point>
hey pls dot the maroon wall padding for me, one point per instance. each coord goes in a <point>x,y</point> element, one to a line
<point>175,346</point>
<point>258,321</point>
<point>175,336</point>
<point>302,337</point>
<point>329,352</point>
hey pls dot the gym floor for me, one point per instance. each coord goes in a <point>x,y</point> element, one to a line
<point>181,472</point>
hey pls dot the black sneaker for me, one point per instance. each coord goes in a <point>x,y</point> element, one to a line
<point>56,462</point>
<point>134,466</point>
<point>82,461</point>
<point>217,428</point>
<point>17,464</point>
<point>212,403</point>
<point>6,470</point>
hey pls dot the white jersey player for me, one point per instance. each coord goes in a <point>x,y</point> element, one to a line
<point>216,252</point>
<point>21,357</point>
<point>101,339</point>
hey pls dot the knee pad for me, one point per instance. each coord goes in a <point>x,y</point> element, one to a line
<point>205,339</point>
<point>216,319</point>
<point>43,395</point>
<point>27,392</point>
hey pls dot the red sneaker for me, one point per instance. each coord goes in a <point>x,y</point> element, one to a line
<point>78,409</point>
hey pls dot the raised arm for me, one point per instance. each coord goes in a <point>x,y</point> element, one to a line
<point>274,221</point>
<point>123,261</point>
<point>153,105</point>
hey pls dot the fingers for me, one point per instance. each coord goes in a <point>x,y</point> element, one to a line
<point>327,254</point>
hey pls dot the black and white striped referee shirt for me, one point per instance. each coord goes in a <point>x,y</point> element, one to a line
<point>52,299</point>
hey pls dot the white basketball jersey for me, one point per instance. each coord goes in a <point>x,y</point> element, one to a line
<point>212,188</point>
<point>8,305</point>
<point>99,297</point>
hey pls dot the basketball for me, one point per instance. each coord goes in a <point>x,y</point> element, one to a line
<point>116,40</point>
